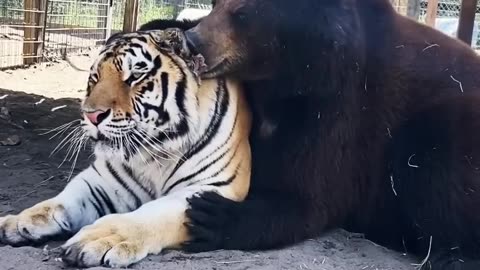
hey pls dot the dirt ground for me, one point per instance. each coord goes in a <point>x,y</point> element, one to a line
<point>28,175</point>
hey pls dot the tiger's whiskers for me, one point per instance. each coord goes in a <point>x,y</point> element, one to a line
<point>75,139</point>
<point>136,149</point>
<point>68,139</point>
<point>153,155</point>
<point>73,143</point>
<point>62,128</point>
<point>159,143</point>
<point>80,142</point>
<point>151,141</point>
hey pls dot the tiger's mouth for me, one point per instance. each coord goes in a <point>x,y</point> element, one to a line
<point>101,138</point>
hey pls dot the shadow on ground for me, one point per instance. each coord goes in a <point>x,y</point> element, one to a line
<point>28,175</point>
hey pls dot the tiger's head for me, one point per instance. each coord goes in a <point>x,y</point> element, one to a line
<point>142,92</point>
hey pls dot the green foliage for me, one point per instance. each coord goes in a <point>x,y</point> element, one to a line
<point>11,4</point>
<point>151,9</point>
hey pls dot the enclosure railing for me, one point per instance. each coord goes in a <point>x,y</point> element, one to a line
<point>38,30</point>
<point>441,14</point>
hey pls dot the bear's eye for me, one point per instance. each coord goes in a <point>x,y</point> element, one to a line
<point>240,17</point>
<point>214,2</point>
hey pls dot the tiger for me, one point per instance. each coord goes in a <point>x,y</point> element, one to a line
<point>161,135</point>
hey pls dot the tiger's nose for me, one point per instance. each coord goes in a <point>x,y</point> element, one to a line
<point>97,117</point>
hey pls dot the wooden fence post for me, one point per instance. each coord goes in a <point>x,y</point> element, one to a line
<point>43,30</point>
<point>34,16</point>
<point>131,15</point>
<point>467,20</point>
<point>431,12</point>
<point>413,9</point>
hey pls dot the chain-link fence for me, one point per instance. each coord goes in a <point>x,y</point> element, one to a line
<point>418,8</point>
<point>35,30</point>
<point>446,18</point>
<point>74,25</point>
<point>19,22</point>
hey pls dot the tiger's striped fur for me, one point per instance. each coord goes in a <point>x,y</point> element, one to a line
<point>163,137</point>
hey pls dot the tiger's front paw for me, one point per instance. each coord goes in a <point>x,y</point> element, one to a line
<point>34,225</point>
<point>114,241</point>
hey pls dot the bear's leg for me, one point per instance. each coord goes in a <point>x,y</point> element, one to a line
<point>451,260</point>
<point>259,222</point>
<point>435,160</point>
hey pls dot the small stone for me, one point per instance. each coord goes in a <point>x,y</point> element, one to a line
<point>5,114</point>
<point>11,141</point>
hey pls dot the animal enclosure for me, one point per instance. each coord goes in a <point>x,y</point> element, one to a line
<point>45,30</point>
<point>33,31</point>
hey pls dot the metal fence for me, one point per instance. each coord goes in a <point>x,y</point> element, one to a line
<point>445,19</point>
<point>73,25</point>
<point>37,30</point>
<point>31,30</point>
<point>418,8</point>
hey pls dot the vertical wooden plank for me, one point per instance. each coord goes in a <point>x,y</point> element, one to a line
<point>33,33</point>
<point>28,32</point>
<point>431,12</point>
<point>135,15</point>
<point>42,31</point>
<point>467,20</point>
<point>131,16</point>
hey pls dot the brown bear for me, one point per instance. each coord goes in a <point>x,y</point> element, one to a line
<point>363,119</point>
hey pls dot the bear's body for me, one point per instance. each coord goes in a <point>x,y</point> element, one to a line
<point>363,119</point>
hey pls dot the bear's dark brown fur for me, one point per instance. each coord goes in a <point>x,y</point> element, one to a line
<point>363,119</point>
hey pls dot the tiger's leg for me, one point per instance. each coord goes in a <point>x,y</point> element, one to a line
<point>86,198</point>
<point>123,239</point>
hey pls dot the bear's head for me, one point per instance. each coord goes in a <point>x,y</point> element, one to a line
<point>238,36</point>
<point>254,39</point>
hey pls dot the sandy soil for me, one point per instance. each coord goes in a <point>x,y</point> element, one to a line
<point>56,79</point>
<point>28,175</point>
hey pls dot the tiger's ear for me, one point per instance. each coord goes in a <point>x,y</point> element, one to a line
<point>173,40</point>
